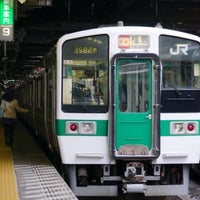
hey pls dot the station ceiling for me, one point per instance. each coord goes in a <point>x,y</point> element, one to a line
<point>39,23</point>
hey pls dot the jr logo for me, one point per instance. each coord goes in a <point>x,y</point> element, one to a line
<point>180,49</point>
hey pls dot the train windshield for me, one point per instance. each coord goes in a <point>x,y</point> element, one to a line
<point>181,63</point>
<point>180,59</point>
<point>85,74</point>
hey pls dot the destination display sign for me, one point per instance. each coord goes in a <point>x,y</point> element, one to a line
<point>133,41</point>
<point>85,50</point>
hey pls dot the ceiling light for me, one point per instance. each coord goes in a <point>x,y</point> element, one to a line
<point>45,2</point>
<point>22,1</point>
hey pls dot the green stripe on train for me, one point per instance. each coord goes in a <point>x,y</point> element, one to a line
<point>102,128</point>
<point>165,127</point>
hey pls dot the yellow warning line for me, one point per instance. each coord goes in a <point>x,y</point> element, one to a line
<point>8,188</point>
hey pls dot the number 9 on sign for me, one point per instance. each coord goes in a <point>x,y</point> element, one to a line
<point>6,31</point>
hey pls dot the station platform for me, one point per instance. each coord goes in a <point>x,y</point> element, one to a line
<point>26,173</point>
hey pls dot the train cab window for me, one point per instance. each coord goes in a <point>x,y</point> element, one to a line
<point>85,74</point>
<point>181,63</point>
<point>181,74</point>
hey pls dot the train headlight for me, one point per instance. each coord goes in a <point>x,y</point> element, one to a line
<point>88,127</point>
<point>178,128</point>
<point>184,127</point>
<point>80,127</point>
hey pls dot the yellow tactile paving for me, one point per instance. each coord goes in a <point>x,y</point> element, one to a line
<point>8,187</point>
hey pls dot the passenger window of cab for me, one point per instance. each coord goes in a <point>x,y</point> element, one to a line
<point>181,63</point>
<point>85,72</point>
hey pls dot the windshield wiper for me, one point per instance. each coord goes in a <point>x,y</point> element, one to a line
<point>175,89</point>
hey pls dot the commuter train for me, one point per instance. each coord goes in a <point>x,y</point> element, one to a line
<point>121,107</point>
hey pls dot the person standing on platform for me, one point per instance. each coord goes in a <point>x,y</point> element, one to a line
<point>10,115</point>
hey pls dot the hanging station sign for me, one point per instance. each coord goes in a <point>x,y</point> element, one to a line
<point>6,20</point>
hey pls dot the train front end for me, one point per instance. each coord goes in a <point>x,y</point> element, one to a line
<point>112,135</point>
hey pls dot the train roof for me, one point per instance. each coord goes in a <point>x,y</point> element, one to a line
<point>128,29</point>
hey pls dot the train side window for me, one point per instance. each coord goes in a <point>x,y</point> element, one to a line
<point>40,93</point>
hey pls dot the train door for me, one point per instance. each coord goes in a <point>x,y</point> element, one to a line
<point>136,93</point>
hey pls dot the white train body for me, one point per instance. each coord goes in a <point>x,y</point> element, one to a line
<point>127,109</point>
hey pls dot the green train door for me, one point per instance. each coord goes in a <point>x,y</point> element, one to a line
<point>136,105</point>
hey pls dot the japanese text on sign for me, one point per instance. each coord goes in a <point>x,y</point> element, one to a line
<point>133,41</point>
<point>6,12</point>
